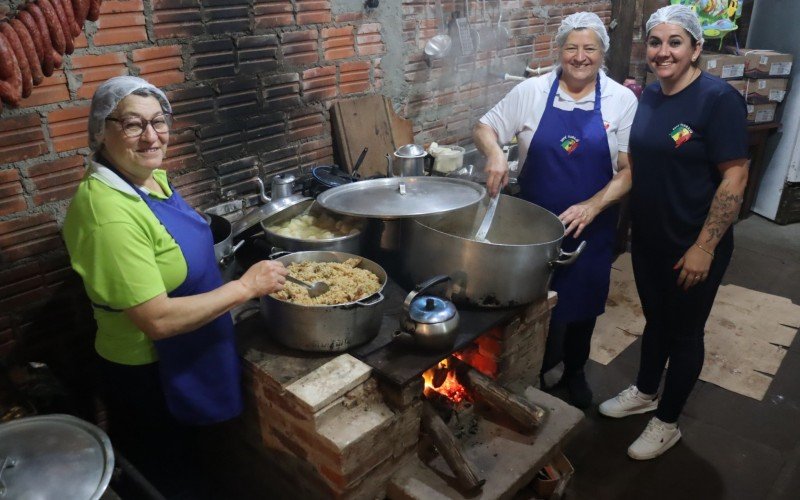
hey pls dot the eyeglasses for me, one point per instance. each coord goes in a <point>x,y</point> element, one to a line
<point>133,126</point>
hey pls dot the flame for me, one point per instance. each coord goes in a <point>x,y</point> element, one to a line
<point>450,388</point>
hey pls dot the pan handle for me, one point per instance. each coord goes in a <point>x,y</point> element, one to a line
<point>567,258</point>
<point>371,300</point>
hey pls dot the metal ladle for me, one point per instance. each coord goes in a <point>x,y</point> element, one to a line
<point>314,289</point>
<point>439,46</point>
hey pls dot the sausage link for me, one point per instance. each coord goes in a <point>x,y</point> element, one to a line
<point>22,59</point>
<point>69,46</point>
<point>66,6</point>
<point>10,75</point>
<point>25,17</point>
<point>94,10</point>
<point>44,37</point>
<point>80,8</point>
<point>30,50</point>
<point>53,25</point>
<point>57,59</point>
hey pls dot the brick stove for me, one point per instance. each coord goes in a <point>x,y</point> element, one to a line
<point>348,425</point>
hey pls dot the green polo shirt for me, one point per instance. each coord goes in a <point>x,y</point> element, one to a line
<point>125,257</point>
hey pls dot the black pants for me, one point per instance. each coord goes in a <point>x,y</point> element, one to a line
<point>142,428</point>
<point>570,343</point>
<point>674,328</point>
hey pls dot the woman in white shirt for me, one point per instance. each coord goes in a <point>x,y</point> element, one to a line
<point>572,126</point>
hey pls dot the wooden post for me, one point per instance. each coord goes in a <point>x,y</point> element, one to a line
<point>619,56</point>
<point>449,448</point>
<point>520,409</point>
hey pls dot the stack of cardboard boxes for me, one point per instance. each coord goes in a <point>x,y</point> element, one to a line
<point>760,76</point>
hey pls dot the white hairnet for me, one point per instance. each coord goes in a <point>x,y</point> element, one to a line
<point>680,15</point>
<point>107,97</point>
<point>582,20</point>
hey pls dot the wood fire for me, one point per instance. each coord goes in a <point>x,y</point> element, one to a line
<point>442,379</point>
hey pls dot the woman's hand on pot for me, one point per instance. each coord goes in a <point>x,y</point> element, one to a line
<point>496,174</point>
<point>694,266</point>
<point>264,277</point>
<point>577,217</point>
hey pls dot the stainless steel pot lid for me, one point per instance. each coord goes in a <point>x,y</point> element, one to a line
<point>54,456</point>
<point>431,310</point>
<point>411,151</point>
<point>398,197</point>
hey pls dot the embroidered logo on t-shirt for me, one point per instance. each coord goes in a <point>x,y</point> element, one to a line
<point>680,134</point>
<point>569,143</point>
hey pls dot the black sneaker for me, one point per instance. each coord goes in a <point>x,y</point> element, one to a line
<point>580,394</point>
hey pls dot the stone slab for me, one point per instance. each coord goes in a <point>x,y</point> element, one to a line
<point>329,382</point>
<point>505,458</point>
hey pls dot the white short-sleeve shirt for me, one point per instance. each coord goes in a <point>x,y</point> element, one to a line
<point>520,112</point>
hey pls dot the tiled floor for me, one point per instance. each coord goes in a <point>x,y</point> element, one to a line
<point>733,447</point>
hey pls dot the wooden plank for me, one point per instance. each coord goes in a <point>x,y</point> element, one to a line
<point>360,123</point>
<point>402,132</point>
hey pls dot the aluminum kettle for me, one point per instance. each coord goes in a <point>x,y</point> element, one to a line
<point>430,322</point>
<point>407,161</point>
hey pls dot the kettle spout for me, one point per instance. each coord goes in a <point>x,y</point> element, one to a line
<point>404,337</point>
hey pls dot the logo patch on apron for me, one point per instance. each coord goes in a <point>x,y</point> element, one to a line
<point>569,143</point>
<point>681,134</point>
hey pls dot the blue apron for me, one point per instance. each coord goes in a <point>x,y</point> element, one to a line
<point>568,162</point>
<point>200,371</point>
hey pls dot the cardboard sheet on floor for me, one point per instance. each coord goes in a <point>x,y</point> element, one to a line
<point>746,335</point>
<point>623,321</point>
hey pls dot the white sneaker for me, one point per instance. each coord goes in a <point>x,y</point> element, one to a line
<point>657,438</point>
<point>628,402</point>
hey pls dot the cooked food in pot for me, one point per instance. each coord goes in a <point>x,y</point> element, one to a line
<point>346,280</point>
<point>315,227</point>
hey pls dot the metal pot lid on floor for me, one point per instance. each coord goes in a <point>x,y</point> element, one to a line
<point>400,197</point>
<point>54,456</point>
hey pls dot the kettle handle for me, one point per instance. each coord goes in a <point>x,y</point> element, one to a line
<point>421,288</point>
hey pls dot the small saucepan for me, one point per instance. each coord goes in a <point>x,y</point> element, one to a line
<point>224,249</point>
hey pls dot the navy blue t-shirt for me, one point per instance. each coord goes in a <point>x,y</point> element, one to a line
<point>676,144</point>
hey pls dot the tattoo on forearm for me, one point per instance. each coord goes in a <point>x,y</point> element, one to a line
<point>723,211</point>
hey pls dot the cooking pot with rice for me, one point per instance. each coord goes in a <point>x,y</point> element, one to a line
<point>353,315</point>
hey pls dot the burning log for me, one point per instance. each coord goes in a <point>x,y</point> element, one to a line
<point>520,409</point>
<point>448,447</point>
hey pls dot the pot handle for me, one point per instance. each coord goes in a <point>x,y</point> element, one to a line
<point>225,258</point>
<point>421,288</point>
<point>376,298</point>
<point>277,252</point>
<point>567,258</point>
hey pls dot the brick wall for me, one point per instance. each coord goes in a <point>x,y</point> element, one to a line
<point>251,83</point>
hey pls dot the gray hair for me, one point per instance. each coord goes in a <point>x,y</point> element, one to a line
<point>108,96</point>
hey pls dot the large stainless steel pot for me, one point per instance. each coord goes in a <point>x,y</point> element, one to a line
<point>513,267</point>
<point>351,243</point>
<point>325,328</point>
<point>222,233</point>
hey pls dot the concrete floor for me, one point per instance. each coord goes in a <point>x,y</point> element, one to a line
<point>733,447</point>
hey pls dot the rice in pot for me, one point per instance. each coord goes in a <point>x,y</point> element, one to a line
<point>346,280</point>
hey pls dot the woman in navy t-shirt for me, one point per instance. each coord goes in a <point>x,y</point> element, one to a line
<point>689,157</point>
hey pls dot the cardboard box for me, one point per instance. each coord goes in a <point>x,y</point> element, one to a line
<point>761,113</point>
<point>764,90</point>
<point>740,86</point>
<point>725,66</point>
<point>767,64</point>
